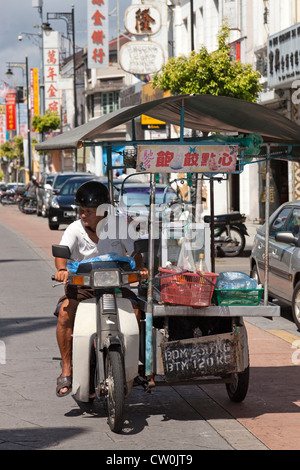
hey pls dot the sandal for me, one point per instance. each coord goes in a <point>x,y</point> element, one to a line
<point>64,382</point>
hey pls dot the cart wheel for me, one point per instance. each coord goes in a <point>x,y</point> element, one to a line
<point>237,390</point>
<point>115,399</point>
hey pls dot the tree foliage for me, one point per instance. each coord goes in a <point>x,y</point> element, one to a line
<point>216,73</point>
<point>49,122</point>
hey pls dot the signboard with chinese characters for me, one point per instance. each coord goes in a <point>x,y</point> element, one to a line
<point>284,57</point>
<point>34,92</point>
<point>2,124</point>
<point>187,159</point>
<point>11,110</point>
<point>141,57</point>
<point>98,33</point>
<point>51,71</point>
<point>142,19</point>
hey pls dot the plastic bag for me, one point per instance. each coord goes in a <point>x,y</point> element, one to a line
<point>73,265</point>
<point>186,259</point>
<point>235,280</point>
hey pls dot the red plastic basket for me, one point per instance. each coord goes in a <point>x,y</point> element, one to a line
<point>190,289</point>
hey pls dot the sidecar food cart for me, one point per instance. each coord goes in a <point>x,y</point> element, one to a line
<point>190,335</point>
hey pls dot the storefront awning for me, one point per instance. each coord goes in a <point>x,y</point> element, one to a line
<point>205,113</point>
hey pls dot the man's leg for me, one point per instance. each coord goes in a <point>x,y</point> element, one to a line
<point>64,331</point>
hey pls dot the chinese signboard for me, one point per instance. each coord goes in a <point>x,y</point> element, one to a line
<point>98,34</point>
<point>34,92</point>
<point>284,56</point>
<point>11,110</point>
<point>23,127</point>
<point>141,57</point>
<point>51,71</point>
<point>2,124</point>
<point>142,19</point>
<point>187,159</point>
<point>144,57</point>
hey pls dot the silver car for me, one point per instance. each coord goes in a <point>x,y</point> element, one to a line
<point>284,256</point>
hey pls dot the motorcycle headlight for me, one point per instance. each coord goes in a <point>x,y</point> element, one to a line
<point>108,278</point>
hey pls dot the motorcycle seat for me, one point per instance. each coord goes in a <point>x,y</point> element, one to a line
<point>224,218</point>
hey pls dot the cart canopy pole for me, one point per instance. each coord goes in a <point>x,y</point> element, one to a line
<point>149,312</point>
<point>267,231</point>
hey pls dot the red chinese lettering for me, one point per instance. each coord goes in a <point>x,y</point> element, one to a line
<point>97,37</point>
<point>98,55</point>
<point>227,159</point>
<point>164,158</point>
<point>52,91</point>
<point>51,57</point>
<point>98,2</point>
<point>204,159</point>
<point>191,159</point>
<point>97,17</point>
<point>51,73</point>
<point>53,106</point>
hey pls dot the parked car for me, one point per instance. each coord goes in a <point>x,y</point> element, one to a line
<point>60,178</point>
<point>43,194</point>
<point>284,256</point>
<point>62,209</point>
<point>134,198</point>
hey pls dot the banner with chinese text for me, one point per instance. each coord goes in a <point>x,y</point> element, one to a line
<point>187,159</point>
<point>98,33</point>
<point>34,92</point>
<point>11,110</point>
<point>2,124</point>
<point>51,71</point>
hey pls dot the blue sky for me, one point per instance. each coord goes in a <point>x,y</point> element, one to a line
<point>19,16</point>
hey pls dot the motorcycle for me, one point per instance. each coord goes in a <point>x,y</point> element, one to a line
<point>229,233</point>
<point>9,197</point>
<point>105,336</point>
<point>28,204</point>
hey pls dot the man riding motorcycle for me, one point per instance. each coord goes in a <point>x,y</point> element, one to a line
<point>83,237</point>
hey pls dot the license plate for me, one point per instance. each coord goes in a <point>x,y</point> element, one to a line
<point>214,355</point>
<point>70,214</point>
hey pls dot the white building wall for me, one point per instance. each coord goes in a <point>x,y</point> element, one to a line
<point>246,18</point>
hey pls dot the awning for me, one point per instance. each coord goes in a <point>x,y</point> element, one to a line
<point>206,113</point>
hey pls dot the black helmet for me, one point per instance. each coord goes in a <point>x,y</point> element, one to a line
<point>91,194</point>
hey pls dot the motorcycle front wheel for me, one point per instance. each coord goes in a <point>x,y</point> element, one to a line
<point>115,387</point>
<point>232,244</point>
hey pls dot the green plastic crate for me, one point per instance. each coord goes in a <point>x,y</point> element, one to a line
<point>237,296</point>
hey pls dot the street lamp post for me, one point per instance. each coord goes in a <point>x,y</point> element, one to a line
<point>24,67</point>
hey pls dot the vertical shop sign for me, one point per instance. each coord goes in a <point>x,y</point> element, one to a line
<point>34,92</point>
<point>11,110</point>
<point>23,126</point>
<point>2,124</point>
<point>98,33</point>
<point>51,71</point>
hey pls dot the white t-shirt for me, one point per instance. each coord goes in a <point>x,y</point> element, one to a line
<point>112,239</point>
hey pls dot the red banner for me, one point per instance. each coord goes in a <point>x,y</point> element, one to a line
<point>11,110</point>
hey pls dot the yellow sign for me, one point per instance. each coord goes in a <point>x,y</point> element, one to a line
<point>150,94</point>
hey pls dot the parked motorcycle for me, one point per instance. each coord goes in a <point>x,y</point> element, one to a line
<point>28,204</point>
<point>229,233</point>
<point>105,336</point>
<point>9,197</point>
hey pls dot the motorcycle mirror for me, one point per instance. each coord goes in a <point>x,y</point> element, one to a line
<point>61,251</point>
